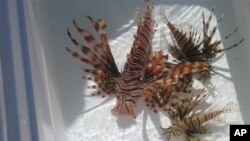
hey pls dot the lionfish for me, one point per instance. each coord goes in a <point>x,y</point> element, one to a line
<point>140,70</point>
<point>188,46</point>
<point>130,84</point>
<point>127,85</point>
<point>186,121</point>
<point>158,93</point>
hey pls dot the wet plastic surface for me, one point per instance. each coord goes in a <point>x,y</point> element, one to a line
<point>53,78</point>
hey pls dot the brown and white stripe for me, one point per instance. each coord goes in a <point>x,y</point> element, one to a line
<point>97,56</point>
<point>159,92</point>
<point>129,87</point>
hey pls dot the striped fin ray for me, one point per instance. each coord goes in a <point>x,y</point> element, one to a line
<point>186,45</point>
<point>186,48</point>
<point>88,54</point>
<point>103,69</point>
<point>184,107</point>
<point>188,123</point>
<point>195,121</point>
<point>90,39</point>
<point>100,26</point>
<point>197,101</point>
<point>158,93</point>
<point>211,49</point>
<point>130,84</point>
<point>173,131</point>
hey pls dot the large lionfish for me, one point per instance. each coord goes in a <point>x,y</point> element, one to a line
<point>190,47</point>
<point>186,120</point>
<point>130,84</point>
<point>126,86</point>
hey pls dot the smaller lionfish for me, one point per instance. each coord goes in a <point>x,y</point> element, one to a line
<point>186,121</point>
<point>190,47</point>
<point>158,93</point>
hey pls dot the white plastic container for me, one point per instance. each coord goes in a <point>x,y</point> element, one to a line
<point>41,90</point>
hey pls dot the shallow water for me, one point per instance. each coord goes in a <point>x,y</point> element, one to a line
<point>78,117</point>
